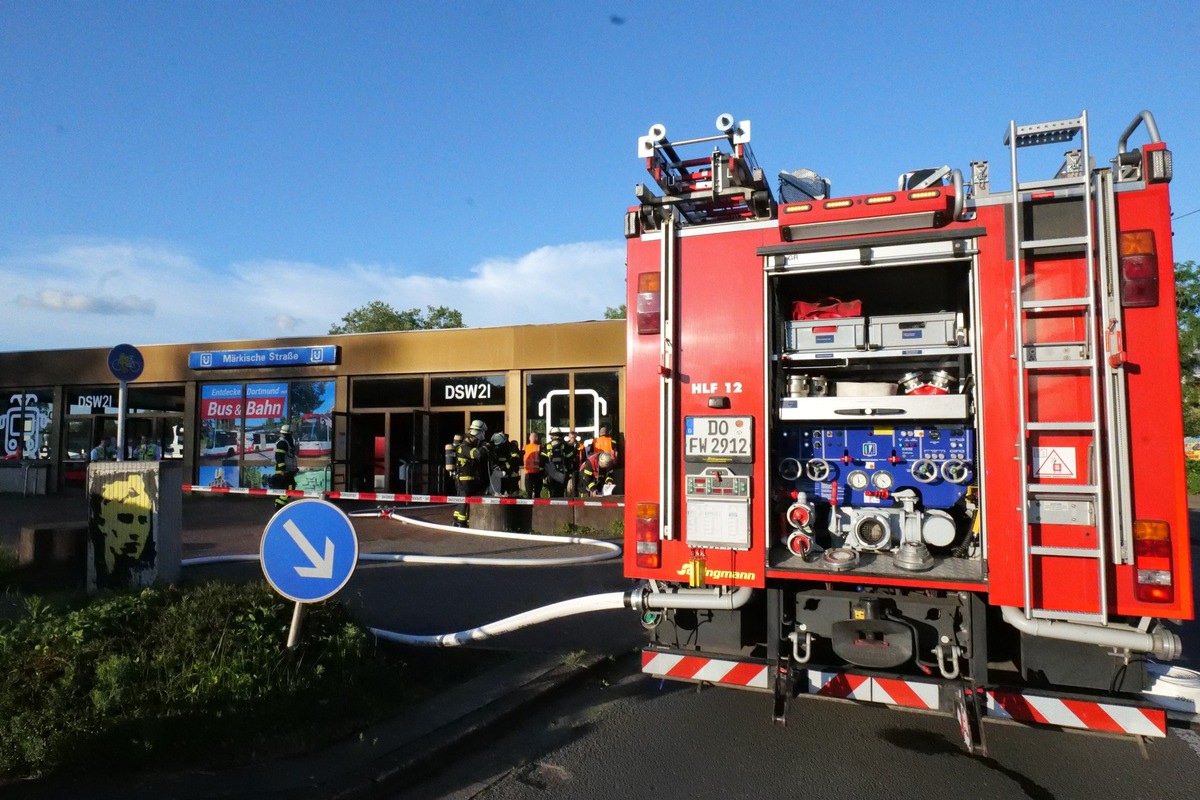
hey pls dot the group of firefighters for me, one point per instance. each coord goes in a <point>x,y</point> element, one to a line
<point>564,465</point>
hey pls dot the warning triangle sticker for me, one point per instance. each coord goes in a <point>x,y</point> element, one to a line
<point>1054,464</point>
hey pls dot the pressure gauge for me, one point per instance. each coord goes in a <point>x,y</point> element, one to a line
<point>882,480</point>
<point>858,480</point>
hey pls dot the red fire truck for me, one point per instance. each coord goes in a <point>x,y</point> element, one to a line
<point>917,447</point>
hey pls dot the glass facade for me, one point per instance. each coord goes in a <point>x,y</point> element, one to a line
<point>388,393</point>
<point>578,401</point>
<point>239,424</point>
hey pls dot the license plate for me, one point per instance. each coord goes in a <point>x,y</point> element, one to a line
<point>718,439</point>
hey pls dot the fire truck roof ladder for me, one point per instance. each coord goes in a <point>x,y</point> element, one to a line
<point>718,187</point>
<point>1051,495</point>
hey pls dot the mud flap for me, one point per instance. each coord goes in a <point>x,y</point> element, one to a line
<point>782,690</point>
<point>968,708</point>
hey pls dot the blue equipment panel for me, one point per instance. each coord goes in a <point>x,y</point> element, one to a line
<point>868,465</point>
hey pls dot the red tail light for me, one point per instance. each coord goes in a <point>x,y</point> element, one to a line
<point>648,536</point>
<point>649,302</point>
<point>1139,270</point>
<point>1152,561</point>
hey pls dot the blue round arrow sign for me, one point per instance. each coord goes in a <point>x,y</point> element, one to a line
<point>309,550</point>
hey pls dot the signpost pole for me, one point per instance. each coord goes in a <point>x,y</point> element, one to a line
<point>125,362</point>
<point>294,631</point>
<point>122,413</point>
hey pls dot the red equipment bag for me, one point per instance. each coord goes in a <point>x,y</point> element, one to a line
<point>829,308</point>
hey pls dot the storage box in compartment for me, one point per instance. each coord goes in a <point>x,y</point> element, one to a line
<point>916,331</point>
<point>868,409</point>
<point>812,335</point>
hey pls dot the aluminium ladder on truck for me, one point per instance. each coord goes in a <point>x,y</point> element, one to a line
<point>1070,463</point>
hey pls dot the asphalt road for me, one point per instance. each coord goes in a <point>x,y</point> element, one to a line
<point>624,735</point>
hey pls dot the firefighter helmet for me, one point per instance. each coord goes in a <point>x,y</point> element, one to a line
<point>605,460</point>
<point>286,429</point>
<point>478,428</point>
<point>499,439</point>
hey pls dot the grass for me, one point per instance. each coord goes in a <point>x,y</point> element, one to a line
<point>1193,476</point>
<point>197,677</point>
<point>615,531</point>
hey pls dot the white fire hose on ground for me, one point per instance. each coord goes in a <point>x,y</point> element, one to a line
<point>638,599</point>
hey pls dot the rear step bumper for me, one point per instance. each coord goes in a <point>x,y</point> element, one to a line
<point>1109,716</point>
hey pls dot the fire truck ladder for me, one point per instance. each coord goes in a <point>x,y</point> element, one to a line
<point>1039,352</point>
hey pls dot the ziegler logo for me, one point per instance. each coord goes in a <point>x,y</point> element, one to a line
<point>717,574</point>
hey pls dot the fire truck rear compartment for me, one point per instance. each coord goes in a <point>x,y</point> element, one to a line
<point>875,452</point>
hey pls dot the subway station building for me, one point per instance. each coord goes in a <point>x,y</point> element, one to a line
<point>369,412</point>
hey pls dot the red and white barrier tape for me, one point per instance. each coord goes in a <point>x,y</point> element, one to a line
<point>381,497</point>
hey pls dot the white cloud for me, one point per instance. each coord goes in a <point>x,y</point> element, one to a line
<point>95,294</point>
<point>60,300</point>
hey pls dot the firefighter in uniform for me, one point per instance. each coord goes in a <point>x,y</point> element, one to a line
<point>471,467</point>
<point>285,464</point>
<point>597,473</point>
<point>507,461</point>
<point>452,461</point>
<point>571,457</point>
<point>554,456</point>
<point>532,463</point>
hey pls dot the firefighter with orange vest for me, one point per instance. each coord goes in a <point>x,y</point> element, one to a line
<point>532,462</point>
<point>604,443</point>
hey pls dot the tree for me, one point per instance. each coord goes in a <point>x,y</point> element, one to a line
<point>615,313</point>
<point>377,316</point>
<point>1187,308</point>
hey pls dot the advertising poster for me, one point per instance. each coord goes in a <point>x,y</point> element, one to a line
<point>220,434</point>
<point>266,410</point>
<point>312,417</point>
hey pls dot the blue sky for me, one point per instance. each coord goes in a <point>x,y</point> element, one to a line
<point>206,171</point>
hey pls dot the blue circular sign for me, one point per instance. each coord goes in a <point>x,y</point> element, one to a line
<point>125,362</point>
<point>309,550</point>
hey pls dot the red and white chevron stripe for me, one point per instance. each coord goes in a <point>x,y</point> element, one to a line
<point>891,691</point>
<point>699,668</point>
<point>1084,714</point>
<point>381,497</point>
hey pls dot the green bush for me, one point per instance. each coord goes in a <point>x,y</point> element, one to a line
<point>8,564</point>
<point>160,677</point>
<point>1193,476</point>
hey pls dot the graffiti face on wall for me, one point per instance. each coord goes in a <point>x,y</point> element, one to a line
<point>121,524</point>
